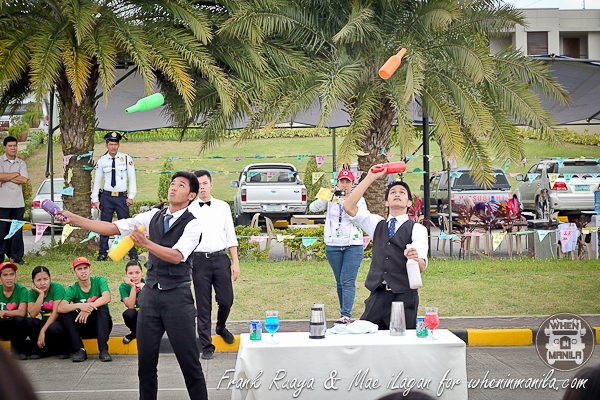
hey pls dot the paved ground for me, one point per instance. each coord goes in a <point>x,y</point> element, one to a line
<point>64,380</point>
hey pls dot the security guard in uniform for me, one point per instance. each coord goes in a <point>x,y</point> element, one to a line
<point>116,168</point>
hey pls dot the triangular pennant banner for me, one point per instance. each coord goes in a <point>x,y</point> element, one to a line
<point>523,232</point>
<point>594,174</point>
<point>88,168</point>
<point>152,158</point>
<point>300,157</point>
<point>39,231</point>
<point>523,161</point>
<point>308,241</point>
<point>250,174</point>
<point>271,174</point>
<point>90,236</point>
<point>66,160</point>
<point>444,235</point>
<point>568,177</point>
<point>257,239</point>
<point>88,154</point>
<point>561,161</point>
<point>256,155</point>
<point>70,175</point>
<point>497,239</point>
<point>316,176</point>
<point>366,241</point>
<point>172,158</point>
<point>533,176</point>
<point>565,235</point>
<point>15,225</point>
<point>552,178</point>
<point>418,171</point>
<point>115,242</point>
<point>388,155</point>
<point>67,229</point>
<point>455,174</point>
<point>238,158</point>
<point>320,160</point>
<point>589,230</point>
<point>280,238</point>
<point>473,234</point>
<point>67,191</point>
<point>324,194</point>
<point>513,174</point>
<point>357,175</point>
<point>581,175</point>
<point>542,233</point>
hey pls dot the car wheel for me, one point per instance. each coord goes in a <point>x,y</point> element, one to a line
<point>32,230</point>
<point>542,208</point>
<point>243,219</point>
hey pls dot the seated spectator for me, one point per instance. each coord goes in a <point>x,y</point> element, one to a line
<point>129,290</point>
<point>14,384</point>
<point>44,328</point>
<point>591,390</point>
<point>13,308</point>
<point>85,312</point>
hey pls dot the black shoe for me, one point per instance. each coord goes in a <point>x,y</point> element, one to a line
<point>24,357</point>
<point>101,257</point>
<point>207,354</point>
<point>128,338</point>
<point>104,356</point>
<point>134,258</point>
<point>80,355</point>
<point>227,336</point>
<point>63,356</point>
<point>21,262</point>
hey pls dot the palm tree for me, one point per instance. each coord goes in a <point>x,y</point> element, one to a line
<point>75,46</point>
<point>473,97</point>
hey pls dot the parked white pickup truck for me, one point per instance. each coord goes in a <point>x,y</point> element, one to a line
<point>272,189</point>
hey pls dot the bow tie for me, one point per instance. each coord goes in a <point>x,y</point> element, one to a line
<point>204,204</point>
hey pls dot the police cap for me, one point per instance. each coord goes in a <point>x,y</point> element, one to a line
<point>113,137</point>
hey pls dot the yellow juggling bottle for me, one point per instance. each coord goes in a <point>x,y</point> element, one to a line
<point>123,247</point>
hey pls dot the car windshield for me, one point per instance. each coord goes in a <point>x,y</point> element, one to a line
<point>58,186</point>
<point>466,182</point>
<point>264,175</point>
<point>577,167</point>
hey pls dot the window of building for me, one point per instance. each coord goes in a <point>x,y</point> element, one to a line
<point>537,43</point>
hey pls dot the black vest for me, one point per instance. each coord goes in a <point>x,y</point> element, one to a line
<point>159,271</point>
<point>388,261</point>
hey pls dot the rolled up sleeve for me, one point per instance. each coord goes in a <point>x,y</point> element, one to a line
<point>190,239</point>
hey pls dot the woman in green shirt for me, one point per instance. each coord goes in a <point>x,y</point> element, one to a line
<point>47,331</point>
<point>129,291</point>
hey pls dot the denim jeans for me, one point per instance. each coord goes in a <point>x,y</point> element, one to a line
<point>345,262</point>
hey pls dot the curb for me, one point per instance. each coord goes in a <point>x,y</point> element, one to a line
<point>471,337</point>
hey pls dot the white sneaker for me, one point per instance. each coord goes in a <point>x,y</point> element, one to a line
<point>343,320</point>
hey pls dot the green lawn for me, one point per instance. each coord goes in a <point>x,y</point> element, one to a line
<point>458,287</point>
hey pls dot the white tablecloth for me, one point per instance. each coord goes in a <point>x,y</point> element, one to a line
<point>351,363</point>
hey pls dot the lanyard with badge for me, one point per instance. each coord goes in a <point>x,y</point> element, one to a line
<point>338,230</point>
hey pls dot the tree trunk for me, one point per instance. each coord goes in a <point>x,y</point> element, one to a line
<point>77,126</point>
<point>373,142</point>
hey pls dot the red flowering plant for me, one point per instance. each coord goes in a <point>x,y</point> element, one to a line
<point>414,213</point>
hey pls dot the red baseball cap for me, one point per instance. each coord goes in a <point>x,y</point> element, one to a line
<point>346,174</point>
<point>79,261</point>
<point>9,265</point>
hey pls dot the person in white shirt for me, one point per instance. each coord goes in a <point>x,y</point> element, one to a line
<point>166,301</point>
<point>212,266</point>
<point>343,243</point>
<point>117,169</point>
<point>387,278</point>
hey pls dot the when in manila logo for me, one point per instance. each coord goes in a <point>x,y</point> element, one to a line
<point>565,341</point>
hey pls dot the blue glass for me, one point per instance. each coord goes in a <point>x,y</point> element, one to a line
<point>272,324</point>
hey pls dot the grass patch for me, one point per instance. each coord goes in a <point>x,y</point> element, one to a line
<point>456,287</point>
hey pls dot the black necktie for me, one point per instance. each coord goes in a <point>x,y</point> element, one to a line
<point>204,204</point>
<point>113,178</point>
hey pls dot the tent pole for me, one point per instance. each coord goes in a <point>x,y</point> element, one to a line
<point>50,157</point>
<point>426,187</point>
<point>333,148</point>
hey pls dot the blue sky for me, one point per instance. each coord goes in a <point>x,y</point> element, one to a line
<point>562,4</point>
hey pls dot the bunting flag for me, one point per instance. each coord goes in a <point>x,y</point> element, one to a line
<point>256,155</point>
<point>429,157</point>
<point>357,175</point>
<point>532,176</point>
<point>598,160</point>
<point>271,174</point>
<point>523,232</point>
<point>497,173</point>
<point>216,157</point>
<point>66,160</point>
<point>507,165</point>
<point>67,229</point>
<point>514,174</point>
<point>437,172</point>
<point>115,242</point>
<point>300,157</point>
<point>589,230</point>
<point>409,156</point>
<point>67,191</point>
<point>69,175</point>
<point>594,174</point>
<point>320,160</point>
<point>542,233</point>
<point>418,171</point>
<point>238,158</point>
<point>382,152</point>
<point>252,173</point>
<point>88,168</point>
<point>444,235</point>
<point>90,236</point>
<point>366,241</point>
<point>580,175</point>
<point>257,239</point>
<point>497,239</point>
<point>455,174</point>
<point>473,234</point>
<point>523,161</point>
<point>152,158</point>
<point>568,177</point>
<point>290,175</point>
<point>172,158</point>
<point>14,228</point>
<point>308,241</point>
<point>552,178</point>
<point>388,155</point>
<point>316,176</point>
<point>324,194</point>
<point>565,235</point>
<point>88,154</point>
<point>450,160</point>
<point>561,161</point>
<point>39,231</point>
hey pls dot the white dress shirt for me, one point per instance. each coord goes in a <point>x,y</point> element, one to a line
<point>217,222</point>
<point>125,170</point>
<point>11,194</point>
<point>368,222</point>
<point>186,243</point>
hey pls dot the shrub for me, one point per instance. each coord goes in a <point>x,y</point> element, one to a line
<point>250,250</point>
<point>313,189</point>
<point>164,181</point>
